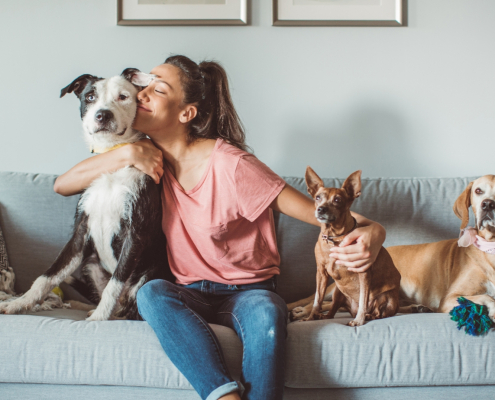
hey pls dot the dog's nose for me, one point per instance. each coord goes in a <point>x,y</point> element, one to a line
<point>488,205</point>
<point>103,116</point>
<point>320,210</point>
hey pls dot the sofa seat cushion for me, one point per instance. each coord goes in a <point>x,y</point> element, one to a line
<point>405,350</point>
<point>60,347</point>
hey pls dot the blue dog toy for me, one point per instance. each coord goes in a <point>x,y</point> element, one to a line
<point>473,317</point>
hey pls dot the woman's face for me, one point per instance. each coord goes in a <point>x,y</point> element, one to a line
<point>160,105</point>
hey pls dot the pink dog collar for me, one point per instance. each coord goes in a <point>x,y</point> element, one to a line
<point>469,237</point>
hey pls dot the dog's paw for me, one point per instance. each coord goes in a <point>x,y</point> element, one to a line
<point>424,309</point>
<point>3,306</point>
<point>94,315</point>
<point>355,322</point>
<point>298,313</point>
<point>18,306</point>
<point>312,317</point>
<point>418,308</point>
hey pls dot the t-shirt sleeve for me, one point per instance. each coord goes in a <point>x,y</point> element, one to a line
<point>256,187</point>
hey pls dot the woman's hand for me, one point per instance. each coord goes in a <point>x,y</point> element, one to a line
<point>147,158</point>
<point>359,249</point>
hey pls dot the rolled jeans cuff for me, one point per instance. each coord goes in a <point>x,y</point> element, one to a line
<point>226,389</point>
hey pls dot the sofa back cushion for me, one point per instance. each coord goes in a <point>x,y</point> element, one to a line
<point>37,223</point>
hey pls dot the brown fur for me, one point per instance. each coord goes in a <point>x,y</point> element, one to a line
<point>366,296</point>
<point>436,274</point>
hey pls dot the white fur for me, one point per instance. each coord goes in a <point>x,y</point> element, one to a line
<point>38,298</point>
<point>98,277</point>
<point>51,302</point>
<point>108,199</point>
<point>108,301</point>
<point>142,79</point>
<point>490,289</point>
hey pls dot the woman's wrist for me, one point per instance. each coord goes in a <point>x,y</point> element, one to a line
<point>128,155</point>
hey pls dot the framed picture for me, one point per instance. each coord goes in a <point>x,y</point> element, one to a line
<point>182,12</point>
<point>340,12</point>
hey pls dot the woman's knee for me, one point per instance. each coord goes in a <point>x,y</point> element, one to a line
<point>151,291</point>
<point>269,314</point>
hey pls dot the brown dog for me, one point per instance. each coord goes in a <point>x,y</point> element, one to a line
<point>436,274</point>
<point>369,295</point>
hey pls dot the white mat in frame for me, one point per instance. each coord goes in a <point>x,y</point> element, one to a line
<point>340,12</point>
<point>182,12</point>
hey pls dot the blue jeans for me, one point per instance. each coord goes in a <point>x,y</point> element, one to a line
<point>179,315</point>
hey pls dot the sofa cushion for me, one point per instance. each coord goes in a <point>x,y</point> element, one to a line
<point>60,347</point>
<point>405,350</point>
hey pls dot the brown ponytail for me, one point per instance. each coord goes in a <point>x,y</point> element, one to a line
<point>207,85</point>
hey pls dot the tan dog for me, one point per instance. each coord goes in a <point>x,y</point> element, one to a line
<point>436,274</point>
<point>369,295</point>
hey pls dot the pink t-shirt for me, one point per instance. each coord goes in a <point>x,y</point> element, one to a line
<point>222,230</point>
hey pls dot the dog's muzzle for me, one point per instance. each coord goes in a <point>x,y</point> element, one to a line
<point>487,214</point>
<point>323,216</point>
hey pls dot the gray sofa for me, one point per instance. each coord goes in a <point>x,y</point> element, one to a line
<point>57,354</point>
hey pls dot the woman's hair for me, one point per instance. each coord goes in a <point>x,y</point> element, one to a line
<point>207,85</point>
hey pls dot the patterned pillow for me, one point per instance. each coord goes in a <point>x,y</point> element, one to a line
<point>7,277</point>
<point>4,261</point>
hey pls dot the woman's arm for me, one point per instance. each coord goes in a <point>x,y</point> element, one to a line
<point>143,155</point>
<point>357,251</point>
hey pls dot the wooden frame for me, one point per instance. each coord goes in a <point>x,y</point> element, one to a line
<point>241,18</point>
<point>399,20</point>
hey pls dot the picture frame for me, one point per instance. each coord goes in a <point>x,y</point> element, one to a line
<point>182,12</point>
<point>340,13</point>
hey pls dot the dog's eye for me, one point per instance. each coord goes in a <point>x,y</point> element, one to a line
<point>122,97</point>
<point>478,191</point>
<point>90,97</point>
<point>337,199</point>
<point>317,197</point>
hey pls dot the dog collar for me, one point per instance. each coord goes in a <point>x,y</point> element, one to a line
<point>469,237</point>
<point>100,150</point>
<point>333,239</point>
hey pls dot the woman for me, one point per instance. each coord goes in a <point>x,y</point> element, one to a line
<point>218,201</point>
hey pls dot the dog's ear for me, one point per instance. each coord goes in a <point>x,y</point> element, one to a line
<point>136,77</point>
<point>462,204</point>
<point>313,181</point>
<point>78,84</point>
<point>352,185</point>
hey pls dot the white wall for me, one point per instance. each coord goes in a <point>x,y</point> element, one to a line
<point>414,101</point>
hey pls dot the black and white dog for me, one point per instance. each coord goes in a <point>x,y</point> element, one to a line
<point>118,239</point>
